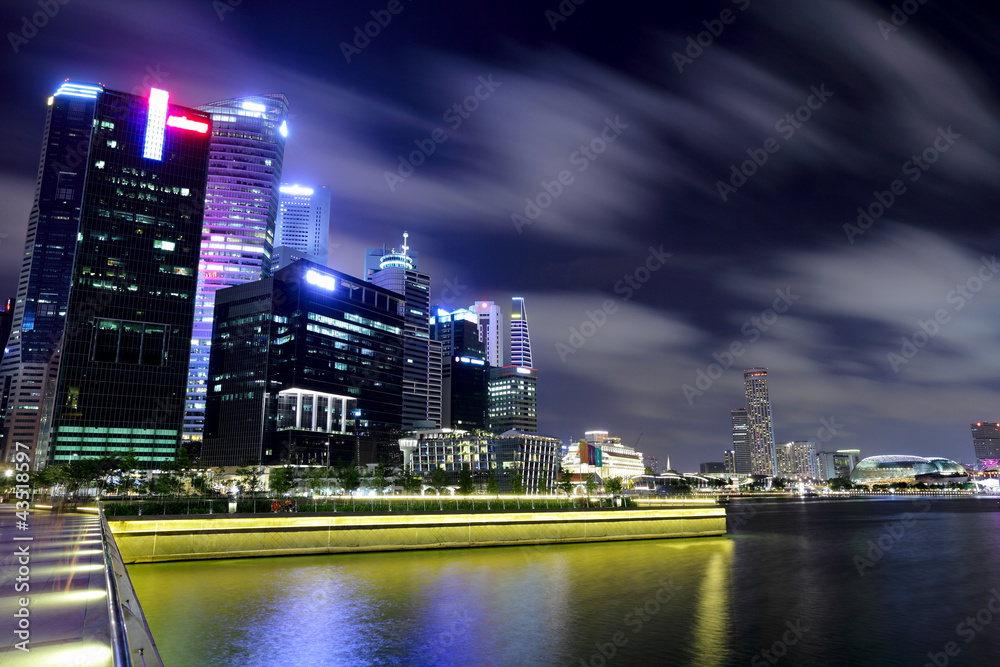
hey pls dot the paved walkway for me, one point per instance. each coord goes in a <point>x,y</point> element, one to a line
<point>67,602</point>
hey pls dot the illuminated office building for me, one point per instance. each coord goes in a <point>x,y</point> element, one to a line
<point>422,359</point>
<point>304,220</point>
<point>490,330</point>
<point>759,425</point>
<point>986,442</point>
<point>306,367</point>
<point>796,460</point>
<point>241,206</point>
<point>513,403</point>
<point>465,373</point>
<point>520,341</point>
<point>98,350</point>
<point>741,441</point>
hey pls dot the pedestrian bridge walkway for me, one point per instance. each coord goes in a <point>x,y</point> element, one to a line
<point>63,599</point>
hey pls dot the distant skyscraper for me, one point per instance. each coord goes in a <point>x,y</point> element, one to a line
<point>761,428</point>
<point>422,376</point>
<point>490,330</point>
<point>729,457</point>
<point>304,220</point>
<point>520,341</point>
<point>513,403</point>
<point>241,205</point>
<point>283,255</point>
<point>796,459</point>
<point>102,323</point>
<point>741,441</point>
<point>465,398</point>
<point>986,441</point>
<point>837,464</point>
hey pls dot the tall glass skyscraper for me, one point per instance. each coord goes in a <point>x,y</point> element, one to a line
<point>241,207</point>
<point>741,441</point>
<point>102,325</point>
<point>422,367</point>
<point>490,330</point>
<point>759,424</point>
<point>304,220</point>
<point>520,342</point>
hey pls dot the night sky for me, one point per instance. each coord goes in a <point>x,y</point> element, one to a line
<point>630,139</point>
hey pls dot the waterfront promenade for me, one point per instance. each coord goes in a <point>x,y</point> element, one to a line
<point>53,593</point>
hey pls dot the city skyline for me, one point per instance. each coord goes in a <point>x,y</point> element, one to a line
<point>676,205</point>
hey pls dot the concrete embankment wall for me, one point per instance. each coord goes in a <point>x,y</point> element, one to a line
<point>148,540</point>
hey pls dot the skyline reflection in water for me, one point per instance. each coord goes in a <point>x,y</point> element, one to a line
<point>707,601</point>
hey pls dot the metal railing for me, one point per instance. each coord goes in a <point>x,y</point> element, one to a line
<point>131,641</point>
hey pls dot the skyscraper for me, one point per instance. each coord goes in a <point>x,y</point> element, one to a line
<point>796,459</point>
<point>422,359</point>
<point>102,323</point>
<point>513,403</point>
<point>465,398</point>
<point>241,206</point>
<point>520,341</point>
<point>986,442</point>
<point>490,330</point>
<point>741,442</point>
<point>306,366</point>
<point>760,426</point>
<point>304,220</point>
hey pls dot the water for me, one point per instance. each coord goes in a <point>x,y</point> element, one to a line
<point>798,579</point>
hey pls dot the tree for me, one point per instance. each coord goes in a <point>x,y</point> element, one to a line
<point>566,482</point>
<point>250,478</point>
<point>315,478</point>
<point>517,483</point>
<point>410,481</point>
<point>382,476</point>
<point>439,480</point>
<point>282,480</point>
<point>613,485</point>
<point>348,477</point>
<point>779,483</point>
<point>840,484</point>
<point>465,484</point>
<point>492,487</point>
<point>590,483</point>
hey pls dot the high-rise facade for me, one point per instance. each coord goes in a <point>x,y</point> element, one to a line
<point>422,373</point>
<point>520,341</point>
<point>760,426</point>
<point>306,366</point>
<point>464,387</point>
<point>304,220</point>
<point>796,459</point>
<point>513,403</point>
<point>741,441</point>
<point>241,207</point>
<point>490,330</point>
<point>986,442</point>
<point>99,343</point>
<point>840,463</point>
<point>729,458</point>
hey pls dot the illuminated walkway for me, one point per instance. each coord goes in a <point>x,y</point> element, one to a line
<point>67,600</point>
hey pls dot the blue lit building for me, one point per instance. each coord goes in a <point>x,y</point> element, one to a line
<point>304,220</point>
<point>241,209</point>
<point>102,324</point>
<point>465,397</point>
<point>306,367</point>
